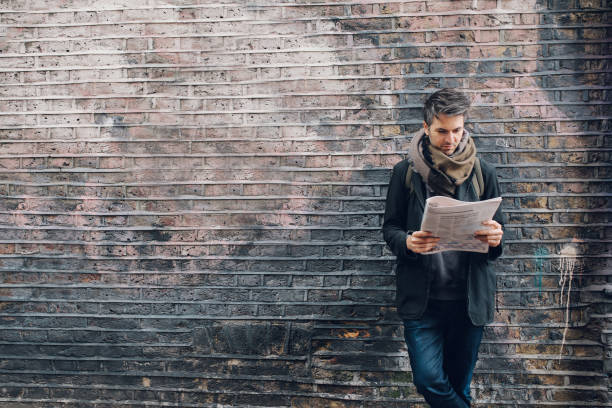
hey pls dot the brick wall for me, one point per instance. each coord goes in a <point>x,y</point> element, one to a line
<point>192,195</point>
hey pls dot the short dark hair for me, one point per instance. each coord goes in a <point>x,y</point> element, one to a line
<point>447,101</point>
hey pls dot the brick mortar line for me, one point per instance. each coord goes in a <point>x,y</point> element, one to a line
<point>331,184</point>
<point>288,358</point>
<point>85,316</point>
<point>254,7</point>
<point>280,168</point>
<point>468,123</point>
<point>198,68</point>
<point>292,259</point>
<point>490,341</point>
<point>267,358</point>
<point>544,211</point>
<point>254,140</point>
<point>294,140</point>
<point>258,243</point>
<point>242,227</point>
<point>299,318</point>
<point>307,139</point>
<point>316,381</point>
<point>50,168</point>
<point>540,403</point>
<point>367,324</point>
<point>197,6</point>
<point>288,20</point>
<point>204,285</point>
<point>258,7</point>
<point>69,168</point>
<point>226,212</point>
<point>552,304</point>
<point>250,51</point>
<point>497,371</point>
<point>494,340</point>
<point>345,273</point>
<point>403,354</point>
<point>306,124</point>
<point>305,35</point>
<point>342,199</point>
<point>180,197</point>
<point>104,331</point>
<point>322,244</point>
<point>390,338</point>
<point>150,403</point>
<point>180,83</point>
<point>75,169</point>
<point>497,90</point>
<point>319,395</point>
<point>88,344</point>
<point>245,227</point>
<point>317,170</point>
<point>275,109</point>
<point>338,213</point>
<point>287,396</point>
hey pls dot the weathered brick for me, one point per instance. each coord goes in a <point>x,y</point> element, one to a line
<point>128,143</point>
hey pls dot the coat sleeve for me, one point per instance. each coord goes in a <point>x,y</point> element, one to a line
<point>491,191</point>
<point>394,223</point>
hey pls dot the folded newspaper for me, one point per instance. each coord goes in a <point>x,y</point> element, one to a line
<point>455,222</point>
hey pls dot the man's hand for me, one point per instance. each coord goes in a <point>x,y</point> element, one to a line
<point>421,241</point>
<point>491,235</point>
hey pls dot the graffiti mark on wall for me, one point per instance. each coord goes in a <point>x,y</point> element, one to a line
<point>540,257</point>
<point>567,267</point>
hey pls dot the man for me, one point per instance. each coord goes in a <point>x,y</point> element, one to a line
<point>444,299</point>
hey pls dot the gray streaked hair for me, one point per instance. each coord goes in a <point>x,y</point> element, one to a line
<point>447,101</point>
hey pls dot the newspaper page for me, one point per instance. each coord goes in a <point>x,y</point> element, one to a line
<point>455,222</point>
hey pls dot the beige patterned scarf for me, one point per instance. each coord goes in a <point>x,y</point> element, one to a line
<point>442,173</point>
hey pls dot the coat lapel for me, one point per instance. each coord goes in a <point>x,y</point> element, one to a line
<point>419,189</point>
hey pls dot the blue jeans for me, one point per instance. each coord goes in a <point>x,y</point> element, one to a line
<point>443,349</point>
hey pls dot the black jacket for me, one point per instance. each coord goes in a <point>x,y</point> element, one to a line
<point>403,214</point>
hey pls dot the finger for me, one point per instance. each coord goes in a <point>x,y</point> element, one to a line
<point>423,238</point>
<point>422,234</point>
<point>494,244</point>
<point>494,236</point>
<point>422,241</point>
<point>423,248</point>
<point>489,232</point>
<point>492,223</point>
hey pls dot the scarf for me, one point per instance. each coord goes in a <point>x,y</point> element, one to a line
<point>442,173</point>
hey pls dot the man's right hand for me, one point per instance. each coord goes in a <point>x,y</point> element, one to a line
<point>421,241</point>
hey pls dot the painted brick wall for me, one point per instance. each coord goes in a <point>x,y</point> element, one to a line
<point>192,193</point>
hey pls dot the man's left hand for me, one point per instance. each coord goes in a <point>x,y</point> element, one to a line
<point>491,235</point>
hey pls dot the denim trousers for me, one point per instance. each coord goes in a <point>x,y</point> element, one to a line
<point>443,349</point>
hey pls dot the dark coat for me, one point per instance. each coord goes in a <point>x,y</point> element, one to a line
<point>403,214</point>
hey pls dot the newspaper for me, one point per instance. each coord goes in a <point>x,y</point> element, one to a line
<point>455,222</point>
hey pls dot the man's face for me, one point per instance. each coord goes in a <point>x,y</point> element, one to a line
<point>445,132</point>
